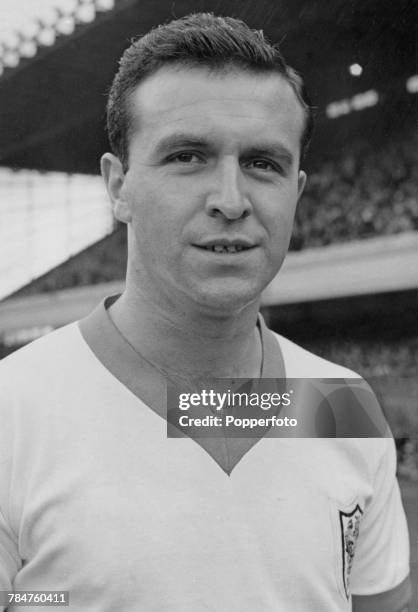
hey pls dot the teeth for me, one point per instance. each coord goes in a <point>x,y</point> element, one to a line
<point>219,248</point>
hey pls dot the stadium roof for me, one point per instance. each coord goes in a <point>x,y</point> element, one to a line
<point>52,104</point>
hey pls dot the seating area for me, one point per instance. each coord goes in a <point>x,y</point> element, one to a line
<point>362,193</point>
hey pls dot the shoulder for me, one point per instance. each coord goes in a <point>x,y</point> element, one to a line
<point>46,350</point>
<point>341,403</point>
<point>49,382</point>
<point>301,363</point>
<point>46,362</point>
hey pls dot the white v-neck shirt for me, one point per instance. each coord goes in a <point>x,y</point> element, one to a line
<point>95,500</point>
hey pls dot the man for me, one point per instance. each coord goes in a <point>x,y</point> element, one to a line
<point>207,126</point>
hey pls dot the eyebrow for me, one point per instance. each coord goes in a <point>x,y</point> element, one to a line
<point>273,150</point>
<point>179,140</point>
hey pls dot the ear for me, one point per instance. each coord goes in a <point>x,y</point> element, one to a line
<point>301,183</point>
<point>114,178</point>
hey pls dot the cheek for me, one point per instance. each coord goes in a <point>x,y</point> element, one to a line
<point>156,225</point>
<point>279,221</point>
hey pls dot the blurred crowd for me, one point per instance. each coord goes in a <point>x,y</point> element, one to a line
<point>361,193</point>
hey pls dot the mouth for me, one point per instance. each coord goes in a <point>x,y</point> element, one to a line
<point>228,249</point>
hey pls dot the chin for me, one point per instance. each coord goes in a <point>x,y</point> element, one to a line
<point>229,300</point>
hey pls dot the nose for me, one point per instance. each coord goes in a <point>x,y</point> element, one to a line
<point>227,197</point>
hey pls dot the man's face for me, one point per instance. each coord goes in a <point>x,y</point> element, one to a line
<point>212,185</point>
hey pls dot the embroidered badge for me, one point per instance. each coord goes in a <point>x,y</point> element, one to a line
<point>350,527</point>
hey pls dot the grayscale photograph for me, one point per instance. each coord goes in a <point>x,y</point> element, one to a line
<point>208,305</point>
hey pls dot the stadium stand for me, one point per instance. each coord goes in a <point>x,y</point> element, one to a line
<point>104,261</point>
<point>363,193</point>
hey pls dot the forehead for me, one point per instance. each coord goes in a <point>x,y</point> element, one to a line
<point>232,105</point>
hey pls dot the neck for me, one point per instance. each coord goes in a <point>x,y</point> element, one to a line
<point>191,343</point>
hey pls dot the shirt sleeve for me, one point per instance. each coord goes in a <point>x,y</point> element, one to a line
<point>381,562</point>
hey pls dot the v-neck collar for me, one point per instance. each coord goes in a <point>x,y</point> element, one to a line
<point>150,386</point>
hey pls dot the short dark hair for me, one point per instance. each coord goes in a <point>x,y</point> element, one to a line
<point>200,39</point>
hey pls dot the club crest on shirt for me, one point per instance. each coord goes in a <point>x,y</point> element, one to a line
<point>350,528</point>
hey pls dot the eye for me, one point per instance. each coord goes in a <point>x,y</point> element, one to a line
<point>186,157</point>
<point>264,165</point>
